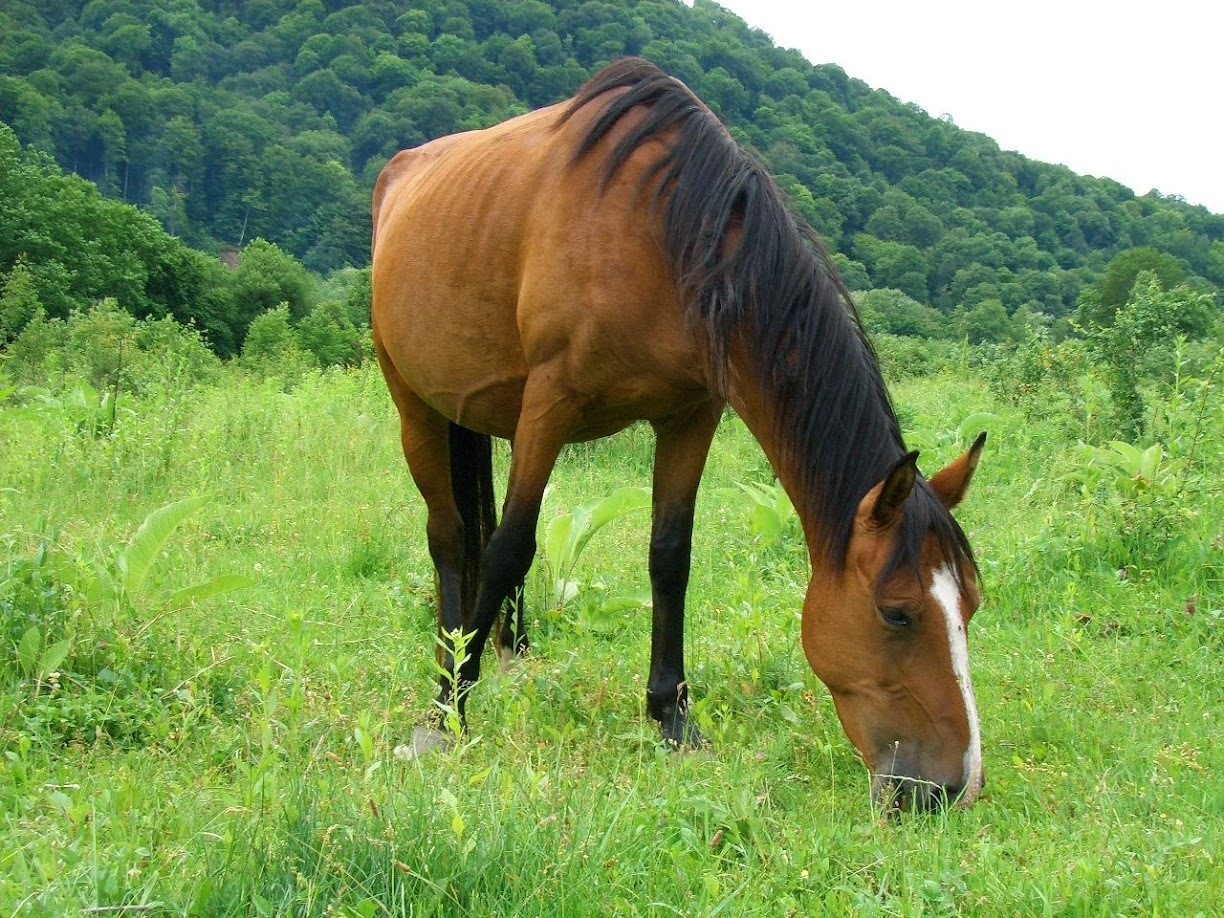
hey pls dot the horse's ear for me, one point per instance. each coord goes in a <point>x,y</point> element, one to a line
<point>882,505</point>
<point>952,481</point>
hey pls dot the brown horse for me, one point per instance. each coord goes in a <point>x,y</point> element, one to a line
<point>618,258</point>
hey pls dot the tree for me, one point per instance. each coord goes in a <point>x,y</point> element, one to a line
<point>193,111</point>
<point>895,313</point>
<point>1120,275</point>
<point>272,345</point>
<point>265,279</point>
<point>986,321</point>
<point>18,300</point>
<point>1140,334</point>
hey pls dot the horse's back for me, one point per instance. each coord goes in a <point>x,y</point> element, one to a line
<point>496,255</point>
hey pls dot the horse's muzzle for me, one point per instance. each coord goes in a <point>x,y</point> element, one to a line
<point>900,794</point>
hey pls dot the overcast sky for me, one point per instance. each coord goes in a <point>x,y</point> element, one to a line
<point>1130,91</point>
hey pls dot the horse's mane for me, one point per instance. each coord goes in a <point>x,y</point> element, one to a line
<point>776,287</point>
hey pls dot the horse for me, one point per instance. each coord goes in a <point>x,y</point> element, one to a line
<point>618,258</point>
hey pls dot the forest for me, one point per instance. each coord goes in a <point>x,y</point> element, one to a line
<point>218,124</point>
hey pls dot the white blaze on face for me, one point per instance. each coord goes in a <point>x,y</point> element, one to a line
<point>946,592</point>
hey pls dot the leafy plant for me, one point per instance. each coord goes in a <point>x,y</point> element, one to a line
<point>568,535</point>
<point>134,562</point>
<point>1135,500</point>
<point>62,614</point>
<point>35,660</point>
<point>770,511</point>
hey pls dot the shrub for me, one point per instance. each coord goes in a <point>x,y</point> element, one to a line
<point>327,334</point>
<point>112,351</point>
<point>272,348</point>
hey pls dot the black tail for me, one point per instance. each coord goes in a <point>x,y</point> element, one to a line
<point>471,463</point>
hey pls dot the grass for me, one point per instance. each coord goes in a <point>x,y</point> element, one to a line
<point>240,757</point>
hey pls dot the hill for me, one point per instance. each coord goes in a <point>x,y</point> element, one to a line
<point>229,121</point>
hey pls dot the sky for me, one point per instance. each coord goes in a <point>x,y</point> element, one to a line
<point>1130,91</point>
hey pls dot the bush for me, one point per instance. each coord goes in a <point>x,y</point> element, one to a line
<point>18,301</point>
<point>272,348</point>
<point>112,351</point>
<point>886,311</point>
<point>328,334</point>
<point>904,356</point>
<point>1048,381</point>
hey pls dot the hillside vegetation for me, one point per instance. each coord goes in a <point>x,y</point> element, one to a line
<point>235,121</point>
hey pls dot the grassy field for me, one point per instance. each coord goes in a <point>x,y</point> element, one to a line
<point>236,755</point>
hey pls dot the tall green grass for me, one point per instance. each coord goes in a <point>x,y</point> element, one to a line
<point>241,758</point>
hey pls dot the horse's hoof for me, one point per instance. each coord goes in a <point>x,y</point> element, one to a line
<point>424,741</point>
<point>683,735</point>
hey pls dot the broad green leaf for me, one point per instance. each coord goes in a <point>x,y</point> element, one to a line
<point>555,539</point>
<point>27,650</point>
<point>82,396</point>
<point>568,534</point>
<point>974,424</point>
<point>1131,456</point>
<point>223,583</point>
<point>53,656</point>
<point>564,591</point>
<point>615,505</point>
<point>766,525</point>
<point>769,509</point>
<point>138,556</point>
<point>1149,462</point>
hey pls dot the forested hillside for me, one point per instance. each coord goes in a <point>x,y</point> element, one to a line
<point>231,121</point>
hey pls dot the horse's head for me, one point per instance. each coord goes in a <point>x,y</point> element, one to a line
<point>887,634</point>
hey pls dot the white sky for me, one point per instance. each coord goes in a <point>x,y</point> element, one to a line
<point>1133,91</point>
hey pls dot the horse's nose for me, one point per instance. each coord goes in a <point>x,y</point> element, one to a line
<point>951,794</point>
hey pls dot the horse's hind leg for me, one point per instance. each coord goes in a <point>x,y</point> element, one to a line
<point>425,438</point>
<point>682,444</point>
<point>544,423</point>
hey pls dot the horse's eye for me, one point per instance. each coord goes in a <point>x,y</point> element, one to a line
<point>896,617</point>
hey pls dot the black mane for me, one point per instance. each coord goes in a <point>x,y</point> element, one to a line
<point>777,288</point>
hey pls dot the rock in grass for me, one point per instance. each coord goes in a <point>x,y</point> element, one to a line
<point>424,741</point>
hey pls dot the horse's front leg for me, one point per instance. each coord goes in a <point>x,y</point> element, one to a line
<point>682,444</point>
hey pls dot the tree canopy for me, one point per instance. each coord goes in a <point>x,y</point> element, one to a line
<point>226,121</point>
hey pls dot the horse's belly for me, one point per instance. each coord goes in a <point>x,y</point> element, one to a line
<point>486,397</point>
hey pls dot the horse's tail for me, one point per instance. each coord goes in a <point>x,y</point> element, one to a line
<point>471,464</point>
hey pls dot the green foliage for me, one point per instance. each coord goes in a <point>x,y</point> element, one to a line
<point>771,515</point>
<point>902,355</point>
<point>135,560</point>
<point>271,121</point>
<point>568,534</point>
<point>71,636</point>
<point>1115,286</point>
<point>987,321</point>
<point>1141,337</point>
<point>887,311</point>
<point>1135,502</point>
<point>271,347</point>
<point>267,277</point>
<point>1050,380</point>
<point>18,301</point>
<point>246,755</point>
<point>328,334</point>
<point>111,351</point>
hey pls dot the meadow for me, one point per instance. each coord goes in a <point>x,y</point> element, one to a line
<point>202,716</point>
